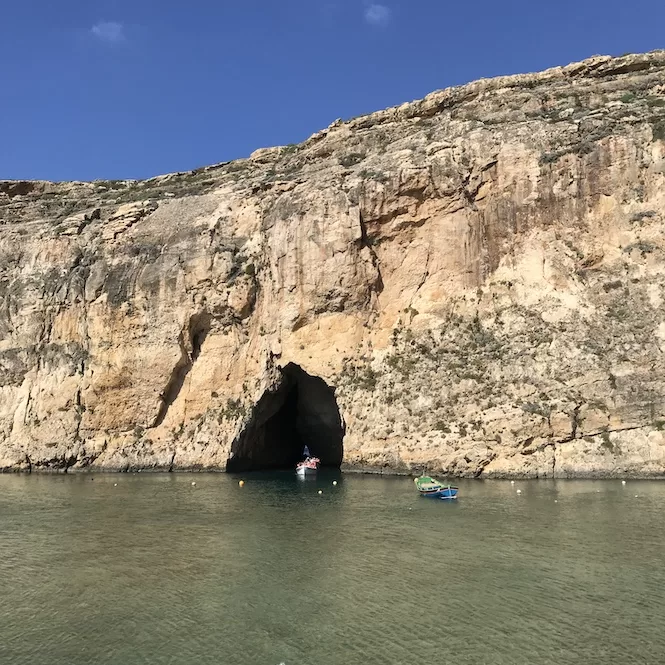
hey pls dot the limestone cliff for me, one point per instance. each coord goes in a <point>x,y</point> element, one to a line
<point>479,276</point>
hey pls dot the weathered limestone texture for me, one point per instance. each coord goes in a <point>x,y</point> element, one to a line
<point>480,275</point>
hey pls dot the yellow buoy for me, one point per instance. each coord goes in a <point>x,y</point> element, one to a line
<point>241,483</point>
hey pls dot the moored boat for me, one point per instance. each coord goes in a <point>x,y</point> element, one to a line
<point>433,488</point>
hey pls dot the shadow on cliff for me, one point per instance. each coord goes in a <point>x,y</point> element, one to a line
<point>301,412</point>
<point>190,348</point>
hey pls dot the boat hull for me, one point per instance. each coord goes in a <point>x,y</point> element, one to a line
<point>305,471</point>
<point>443,493</point>
<point>434,489</point>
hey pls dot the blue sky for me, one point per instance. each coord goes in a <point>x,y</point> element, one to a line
<point>130,89</point>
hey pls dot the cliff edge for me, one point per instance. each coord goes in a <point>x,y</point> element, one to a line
<point>473,283</point>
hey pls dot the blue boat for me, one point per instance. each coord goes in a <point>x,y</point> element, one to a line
<point>433,488</point>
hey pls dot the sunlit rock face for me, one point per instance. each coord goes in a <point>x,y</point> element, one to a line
<point>472,283</point>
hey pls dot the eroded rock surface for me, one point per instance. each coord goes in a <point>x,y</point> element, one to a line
<point>480,275</point>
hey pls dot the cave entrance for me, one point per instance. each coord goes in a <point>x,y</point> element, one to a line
<point>302,412</point>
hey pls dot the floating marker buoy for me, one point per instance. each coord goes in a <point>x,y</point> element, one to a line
<point>623,482</point>
<point>320,491</point>
<point>519,491</point>
<point>636,496</point>
<point>555,501</point>
<point>193,484</point>
<point>115,484</point>
<point>334,482</point>
<point>512,482</point>
<point>241,483</point>
<point>597,491</point>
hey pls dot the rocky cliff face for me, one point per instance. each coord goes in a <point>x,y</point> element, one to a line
<point>474,282</point>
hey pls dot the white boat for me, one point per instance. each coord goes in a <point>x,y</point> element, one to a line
<point>308,466</point>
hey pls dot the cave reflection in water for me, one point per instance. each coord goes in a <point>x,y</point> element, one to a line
<point>302,411</point>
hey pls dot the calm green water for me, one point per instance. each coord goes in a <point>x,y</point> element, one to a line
<point>157,571</point>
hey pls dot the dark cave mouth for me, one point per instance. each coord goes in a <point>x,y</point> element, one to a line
<point>301,412</point>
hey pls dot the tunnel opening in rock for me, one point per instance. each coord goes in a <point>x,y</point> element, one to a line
<point>301,411</point>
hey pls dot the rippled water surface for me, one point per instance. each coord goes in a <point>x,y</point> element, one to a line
<point>156,571</point>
